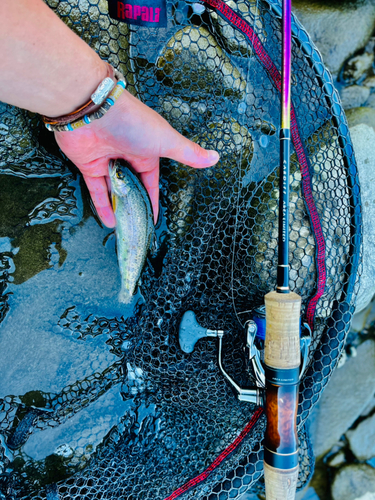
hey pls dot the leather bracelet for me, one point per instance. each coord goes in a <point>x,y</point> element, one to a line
<point>91,105</point>
<point>95,115</point>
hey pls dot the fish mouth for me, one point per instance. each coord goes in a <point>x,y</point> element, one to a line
<point>112,167</point>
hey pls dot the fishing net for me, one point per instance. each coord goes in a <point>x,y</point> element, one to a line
<point>214,74</point>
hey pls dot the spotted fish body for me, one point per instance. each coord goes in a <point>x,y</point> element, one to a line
<point>134,225</point>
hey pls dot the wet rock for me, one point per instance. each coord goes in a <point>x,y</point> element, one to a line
<point>369,82</point>
<point>369,408</point>
<point>371,101</point>
<point>34,343</point>
<point>348,393</point>
<point>339,29</point>
<point>363,138</point>
<point>362,439</point>
<point>337,459</point>
<point>19,130</point>
<point>357,66</point>
<point>354,482</point>
<point>354,96</point>
<point>196,48</point>
<point>365,115</point>
<point>234,41</point>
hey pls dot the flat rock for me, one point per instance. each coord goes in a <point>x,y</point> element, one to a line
<point>370,103</point>
<point>362,439</point>
<point>339,29</point>
<point>369,82</point>
<point>42,355</point>
<point>365,115</point>
<point>348,393</point>
<point>369,408</point>
<point>354,96</point>
<point>354,482</point>
<point>363,138</point>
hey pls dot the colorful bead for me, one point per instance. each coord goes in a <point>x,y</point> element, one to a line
<point>87,119</point>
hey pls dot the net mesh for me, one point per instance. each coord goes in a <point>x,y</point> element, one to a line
<point>213,73</point>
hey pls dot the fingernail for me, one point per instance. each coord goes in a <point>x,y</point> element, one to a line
<point>213,156</point>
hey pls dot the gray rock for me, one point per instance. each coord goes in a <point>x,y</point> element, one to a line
<point>41,354</point>
<point>370,101</point>
<point>369,408</point>
<point>369,82</point>
<point>348,393</point>
<point>354,96</point>
<point>362,439</point>
<point>339,30</point>
<point>357,66</point>
<point>354,482</point>
<point>336,460</point>
<point>365,115</point>
<point>363,138</point>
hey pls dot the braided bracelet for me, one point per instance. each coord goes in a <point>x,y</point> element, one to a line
<point>95,115</point>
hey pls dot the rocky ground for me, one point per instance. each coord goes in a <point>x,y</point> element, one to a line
<point>343,424</point>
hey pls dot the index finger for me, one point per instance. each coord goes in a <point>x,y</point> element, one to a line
<point>97,187</point>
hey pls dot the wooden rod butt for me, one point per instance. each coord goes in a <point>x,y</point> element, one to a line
<point>280,484</point>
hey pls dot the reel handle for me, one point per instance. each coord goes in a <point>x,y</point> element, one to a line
<point>190,331</point>
<point>282,359</point>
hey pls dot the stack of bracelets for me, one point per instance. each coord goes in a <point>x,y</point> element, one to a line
<point>107,93</point>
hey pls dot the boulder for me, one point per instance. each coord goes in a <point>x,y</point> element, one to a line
<point>362,439</point>
<point>369,82</point>
<point>354,96</point>
<point>337,460</point>
<point>339,29</point>
<point>348,393</point>
<point>354,482</point>
<point>356,116</point>
<point>369,408</point>
<point>362,320</point>
<point>363,138</point>
<point>370,103</point>
<point>357,66</point>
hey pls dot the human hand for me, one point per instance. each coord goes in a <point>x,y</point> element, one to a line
<point>134,132</point>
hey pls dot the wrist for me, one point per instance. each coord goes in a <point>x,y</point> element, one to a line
<point>76,91</point>
<point>101,101</point>
<point>91,104</point>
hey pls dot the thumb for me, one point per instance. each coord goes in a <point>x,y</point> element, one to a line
<point>179,148</point>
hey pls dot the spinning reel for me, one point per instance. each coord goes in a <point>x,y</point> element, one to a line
<point>190,332</point>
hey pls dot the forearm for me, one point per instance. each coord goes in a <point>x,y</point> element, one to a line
<point>44,66</point>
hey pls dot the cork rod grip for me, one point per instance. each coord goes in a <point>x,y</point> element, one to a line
<point>280,484</point>
<point>282,344</point>
<point>282,362</point>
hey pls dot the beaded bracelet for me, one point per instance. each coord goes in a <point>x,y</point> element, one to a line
<point>91,105</point>
<point>88,118</point>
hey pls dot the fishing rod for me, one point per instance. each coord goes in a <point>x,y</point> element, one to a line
<point>277,376</point>
<point>282,354</point>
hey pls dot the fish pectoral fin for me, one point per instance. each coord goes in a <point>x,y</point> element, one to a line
<point>113,200</point>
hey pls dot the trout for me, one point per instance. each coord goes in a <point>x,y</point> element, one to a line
<point>134,225</point>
